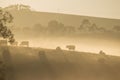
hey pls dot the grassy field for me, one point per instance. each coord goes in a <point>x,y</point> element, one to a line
<point>25,63</point>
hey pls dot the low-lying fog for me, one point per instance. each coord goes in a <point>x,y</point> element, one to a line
<point>93,45</point>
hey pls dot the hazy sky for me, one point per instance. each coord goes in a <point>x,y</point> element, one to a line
<point>99,8</point>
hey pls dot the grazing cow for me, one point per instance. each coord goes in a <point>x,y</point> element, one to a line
<point>102,53</point>
<point>3,42</point>
<point>58,48</point>
<point>71,47</point>
<point>25,43</point>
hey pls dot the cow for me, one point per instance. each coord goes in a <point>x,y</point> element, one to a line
<point>102,53</point>
<point>71,47</point>
<point>24,43</point>
<point>58,48</point>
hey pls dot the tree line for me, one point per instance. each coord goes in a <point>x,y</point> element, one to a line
<point>57,28</point>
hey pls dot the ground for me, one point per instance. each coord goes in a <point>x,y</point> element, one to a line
<point>25,63</point>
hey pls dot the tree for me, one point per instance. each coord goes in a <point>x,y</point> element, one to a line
<point>18,7</point>
<point>56,28</point>
<point>93,28</point>
<point>116,28</point>
<point>5,19</point>
<point>85,25</point>
<point>52,26</point>
<point>61,29</point>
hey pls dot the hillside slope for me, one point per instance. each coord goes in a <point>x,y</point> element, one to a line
<point>44,64</point>
<point>23,18</point>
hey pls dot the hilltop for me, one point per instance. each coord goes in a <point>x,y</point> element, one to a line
<point>26,17</point>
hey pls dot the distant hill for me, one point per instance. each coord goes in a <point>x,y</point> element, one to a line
<point>34,23</point>
<point>25,17</point>
<point>41,64</point>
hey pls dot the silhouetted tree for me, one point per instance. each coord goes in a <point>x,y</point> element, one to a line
<point>56,28</point>
<point>85,25</point>
<point>116,28</point>
<point>52,26</point>
<point>93,28</point>
<point>5,18</point>
<point>18,7</point>
<point>61,28</point>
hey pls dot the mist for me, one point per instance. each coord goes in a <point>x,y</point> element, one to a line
<point>83,44</point>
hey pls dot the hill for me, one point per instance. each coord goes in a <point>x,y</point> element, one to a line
<point>29,18</point>
<point>45,29</point>
<point>34,23</point>
<point>23,63</point>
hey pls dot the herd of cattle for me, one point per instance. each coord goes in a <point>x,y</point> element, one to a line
<point>26,44</point>
<point>23,43</point>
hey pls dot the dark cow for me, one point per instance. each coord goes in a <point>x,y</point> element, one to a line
<point>25,43</point>
<point>71,47</point>
<point>102,53</point>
